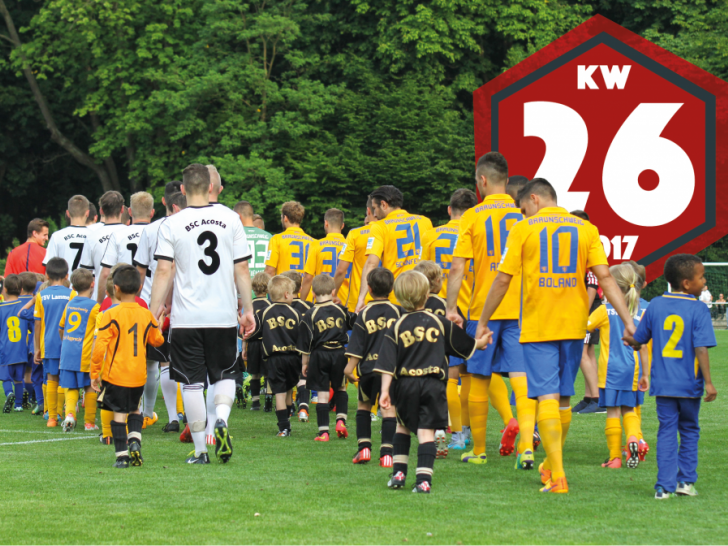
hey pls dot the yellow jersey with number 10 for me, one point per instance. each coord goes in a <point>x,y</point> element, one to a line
<point>397,241</point>
<point>355,253</point>
<point>323,257</point>
<point>289,250</point>
<point>554,249</point>
<point>482,238</point>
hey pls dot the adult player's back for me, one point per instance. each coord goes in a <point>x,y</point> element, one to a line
<point>68,243</point>
<point>289,250</point>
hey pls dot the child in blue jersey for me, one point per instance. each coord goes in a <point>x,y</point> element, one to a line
<point>13,341</point>
<point>621,373</point>
<point>49,306</point>
<point>30,286</point>
<point>681,331</point>
<point>77,327</point>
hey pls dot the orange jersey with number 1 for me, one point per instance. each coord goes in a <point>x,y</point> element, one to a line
<point>554,250</point>
<point>438,245</point>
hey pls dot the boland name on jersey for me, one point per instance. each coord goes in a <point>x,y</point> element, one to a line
<point>368,332</point>
<point>324,326</point>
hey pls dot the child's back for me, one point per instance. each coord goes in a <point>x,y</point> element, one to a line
<point>15,330</point>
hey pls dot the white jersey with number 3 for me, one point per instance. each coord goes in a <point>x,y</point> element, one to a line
<point>68,243</point>
<point>205,243</point>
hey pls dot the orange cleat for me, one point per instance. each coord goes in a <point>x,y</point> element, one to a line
<point>52,423</point>
<point>642,449</point>
<point>149,421</point>
<point>545,474</point>
<point>613,463</point>
<point>508,440</point>
<point>386,461</point>
<point>558,486</point>
<point>341,431</point>
<point>186,436</point>
<point>363,456</point>
<point>323,437</point>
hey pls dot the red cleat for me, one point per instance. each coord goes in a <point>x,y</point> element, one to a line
<point>508,441</point>
<point>186,436</point>
<point>363,456</point>
<point>386,461</point>
<point>341,431</point>
<point>642,450</point>
<point>323,437</point>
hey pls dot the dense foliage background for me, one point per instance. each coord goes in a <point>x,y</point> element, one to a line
<point>314,100</point>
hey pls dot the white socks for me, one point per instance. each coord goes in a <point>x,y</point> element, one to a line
<point>194,401</point>
<point>151,388</point>
<point>169,391</point>
<point>224,390</point>
<point>211,416</point>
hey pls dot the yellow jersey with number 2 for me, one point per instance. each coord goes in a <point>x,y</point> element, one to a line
<point>554,249</point>
<point>323,257</point>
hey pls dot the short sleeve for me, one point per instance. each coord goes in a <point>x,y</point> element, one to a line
<point>111,254</point>
<point>313,254</point>
<point>347,253</point>
<point>305,335</point>
<point>358,339</point>
<point>596,255</point>
<point>703,333</point>
<point>512,259</point>
<point>457,342</point>
<point>241,249</point>
<point>644,328</point>
<point>597,319</point>
<point>375,243</point>
<point>273,252</point>
<point>141,258</point>
<point>62,324</point>
<point>387,359</point>
<point>165,244</point>
<point>52,249</point>
<point>464,244</point>
<point>38,315</point>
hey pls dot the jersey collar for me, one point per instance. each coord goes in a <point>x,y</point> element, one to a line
<point>552,210</point>
<point>397,213</point>
<point>678,295</point>
<point>292,228</point>
<point>499,197</point>
<point>335,237</point>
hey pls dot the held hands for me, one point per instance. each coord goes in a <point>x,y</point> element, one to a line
<point>304,370</point>
<point>247,323</point>
<point>454,317</point>
<point>629,340</point>
<point>37,359</point>
<point>644,384</point>
<point>483,336</point>
<point>351,377</point>
<point>710,392</point>
<point>385,402</point>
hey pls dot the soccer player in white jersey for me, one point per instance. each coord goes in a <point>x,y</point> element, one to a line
<point>112,205</point>
<point>68,243</point>
<point>92,220</point>
<point>210,254</point>
<point>147,265</point>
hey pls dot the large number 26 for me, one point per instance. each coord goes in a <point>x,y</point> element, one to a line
<point>636,147</point>
<point>556,267</point>
<point>412,235</point>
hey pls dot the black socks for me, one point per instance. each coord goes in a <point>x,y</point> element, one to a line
<point>364,429</point>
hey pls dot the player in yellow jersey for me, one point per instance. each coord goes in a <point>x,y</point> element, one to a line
<point>323,255</point>
<point>438,245</point>
<point>395,238</point>
<point>289,250</point>
<point>352,260</point>
<point>553,249</point>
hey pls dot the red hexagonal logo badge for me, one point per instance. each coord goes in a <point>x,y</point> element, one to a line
<point>625,130</point>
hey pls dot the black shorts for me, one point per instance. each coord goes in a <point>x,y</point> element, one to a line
<point>199,353</point>
<point>369,386</point>
<point>161,353</point>
<point>283,371</point>
<point>256,364</point>
<point>326,368</point>
<point>120,399</point>
<point>421,402</point>
<point>592,338</point>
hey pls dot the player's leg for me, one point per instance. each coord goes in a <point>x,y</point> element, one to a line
<point>668,415</point>
<point>432,416</point>
<point>500,399</point>
<point>223,365</point>
<point>613,432</point>
<point>121,439</point>
<point>322,408</point>
<point>16,373</point>
<point>465,383</point>
<point>426,454</point>
<point>643,446</point>
<point>687,458</point>
<point>72,395</point>
<point>453,404</point>
<point>628,400</point>
<point>480,368</point>
<point>303,394</point>
<point>211,413</point>
<point>401,447</point>
<point>37,376</point>
<point>363,421</point>
<point>169,393</point>
<point>150,393</point>
<point>51,366</point>
<point>61,403</point>
<point>510,361</point>
<point>341,395</point>
<point>90,398</point>
<point>135,423</point>
<point>255,392</point>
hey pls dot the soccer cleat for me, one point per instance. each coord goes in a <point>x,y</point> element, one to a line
<point>524,461</point>
<point>18,408</point>
<point>634,457</point>
<point>121,462</point>
<point>283,433</point>
<point>471,457</point>
<point>386,461</point>
<point>26,400</point>
<point>149,421</point>
<point>374,417</point>
<point>52,423</point>
<point>423,487</point>
<point>592,407</point>
<point>268,407</point>
<point>314,398</point>
<point>323,437</point>
<point>363,456</point>
<point>397,480</point>
<point>37,410</point>
<point>255,406</point>
<point>467,435</point>
<point>69,423</point>
<point>661,494</point>
<point>440,444</point>
<point>580,406</point>
<point>642,450</point>
<point>202,458</point>
<point>105,440</point>
<point>545,474</point>
<point>536,440</point>
<point>558,486</point>
<point>613,463</point>
<point>508,440</point>
<point>9,403</point>
<point>223,444</point>
<point>186,436</point>
<point>686,489</point>
<point>341,431</point>
<point>303,415</point>
<point>135,453</point>
<point>210,439</point>
<point>172,426</point>
<point>457,441</point>
<point>182,418</point>
<point>90,426</point>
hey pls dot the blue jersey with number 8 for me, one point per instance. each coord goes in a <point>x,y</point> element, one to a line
<point>13,333</point>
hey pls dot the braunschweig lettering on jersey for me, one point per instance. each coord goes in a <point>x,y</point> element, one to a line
<point>289,250</point>
<point>368,331</point>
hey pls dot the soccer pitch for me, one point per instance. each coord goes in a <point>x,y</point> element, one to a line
<point>60,489</point>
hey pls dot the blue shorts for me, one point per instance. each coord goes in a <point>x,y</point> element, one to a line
<point>51,366</point>
<point>613,398</point>
<point>74,380</point>
<point>4,374</point>
<point>505,354</point>
<point>551,366</point>
<point>640,398</point>
<point>12,372</point>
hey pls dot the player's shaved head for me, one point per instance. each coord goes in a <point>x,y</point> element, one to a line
<point>580,214</point>
<point>196,179</point>
<point>172,187</point>
<point>216,182</point>
<point>93,214</point>
<point>515,183</point>
<point>13,285</point>
<point>462,200</point>
<point>244,209</point>
<point>142,205</point>
<point>494,167</point>
<point>323,285</point>
<point>537,186</point>
<point>81,279</point>
<point>411,289</point>
<point>335,218</point>
<point>679,268</point>
<point>258,221</point>
<point>380,282</point>
<point>178,199</point>
<point>278,286</point>
<point>78,207</point>
<point>296,277</point>
<point>111,204</point>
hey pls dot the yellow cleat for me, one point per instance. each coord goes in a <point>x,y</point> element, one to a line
<point>149,421</point>
<point>471,457</point>
<point>558,486</point>
<point>524,461</point>
<point>545,474</point>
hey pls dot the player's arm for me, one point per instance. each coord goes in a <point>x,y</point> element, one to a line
<point>644,382</point>
<point>371,264</point>
<point>107,333</point>
<point>495,296</point>
<point>454,282</point>
<point>163,280</point>
<point>306,283</point>
<point>155,337</point>
<point>614,296</point>
<point>704,364</point>
<point>340,274</point>
<point>101,283</point>
<point>350,367</point>
<point>245,289</point>
<point>304,369</point>
<point>271,262</point>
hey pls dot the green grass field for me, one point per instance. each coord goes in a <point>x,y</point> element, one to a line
<point>60,488</point>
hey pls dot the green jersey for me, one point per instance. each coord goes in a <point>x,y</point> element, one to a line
<point>258,242</point>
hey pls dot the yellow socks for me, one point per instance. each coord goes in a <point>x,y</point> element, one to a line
<point>526,412</point>
<point>498,392</point>
<point>62,401</point>
<point>180,404</point>
<point>549,427</point>
<point>465,381</point>
<point>478,407</point>
<point>638,411</point>
<point>106,418</point>
<point>613,430</point>
<point>90,407</point>
<point>631,425</point>
<point>565,416</point>
<point>52,399</point>
<point>45,399</point>
<point>453,405</point>
<point>71,397</point>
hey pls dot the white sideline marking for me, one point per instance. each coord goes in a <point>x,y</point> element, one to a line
<point>45,441</point>
<point>58,431</point>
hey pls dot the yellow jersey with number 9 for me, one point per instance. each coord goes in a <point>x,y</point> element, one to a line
<point>438,245</point>
<point>482,238</point>
<point>553,249</point>
<point>289,250</point>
